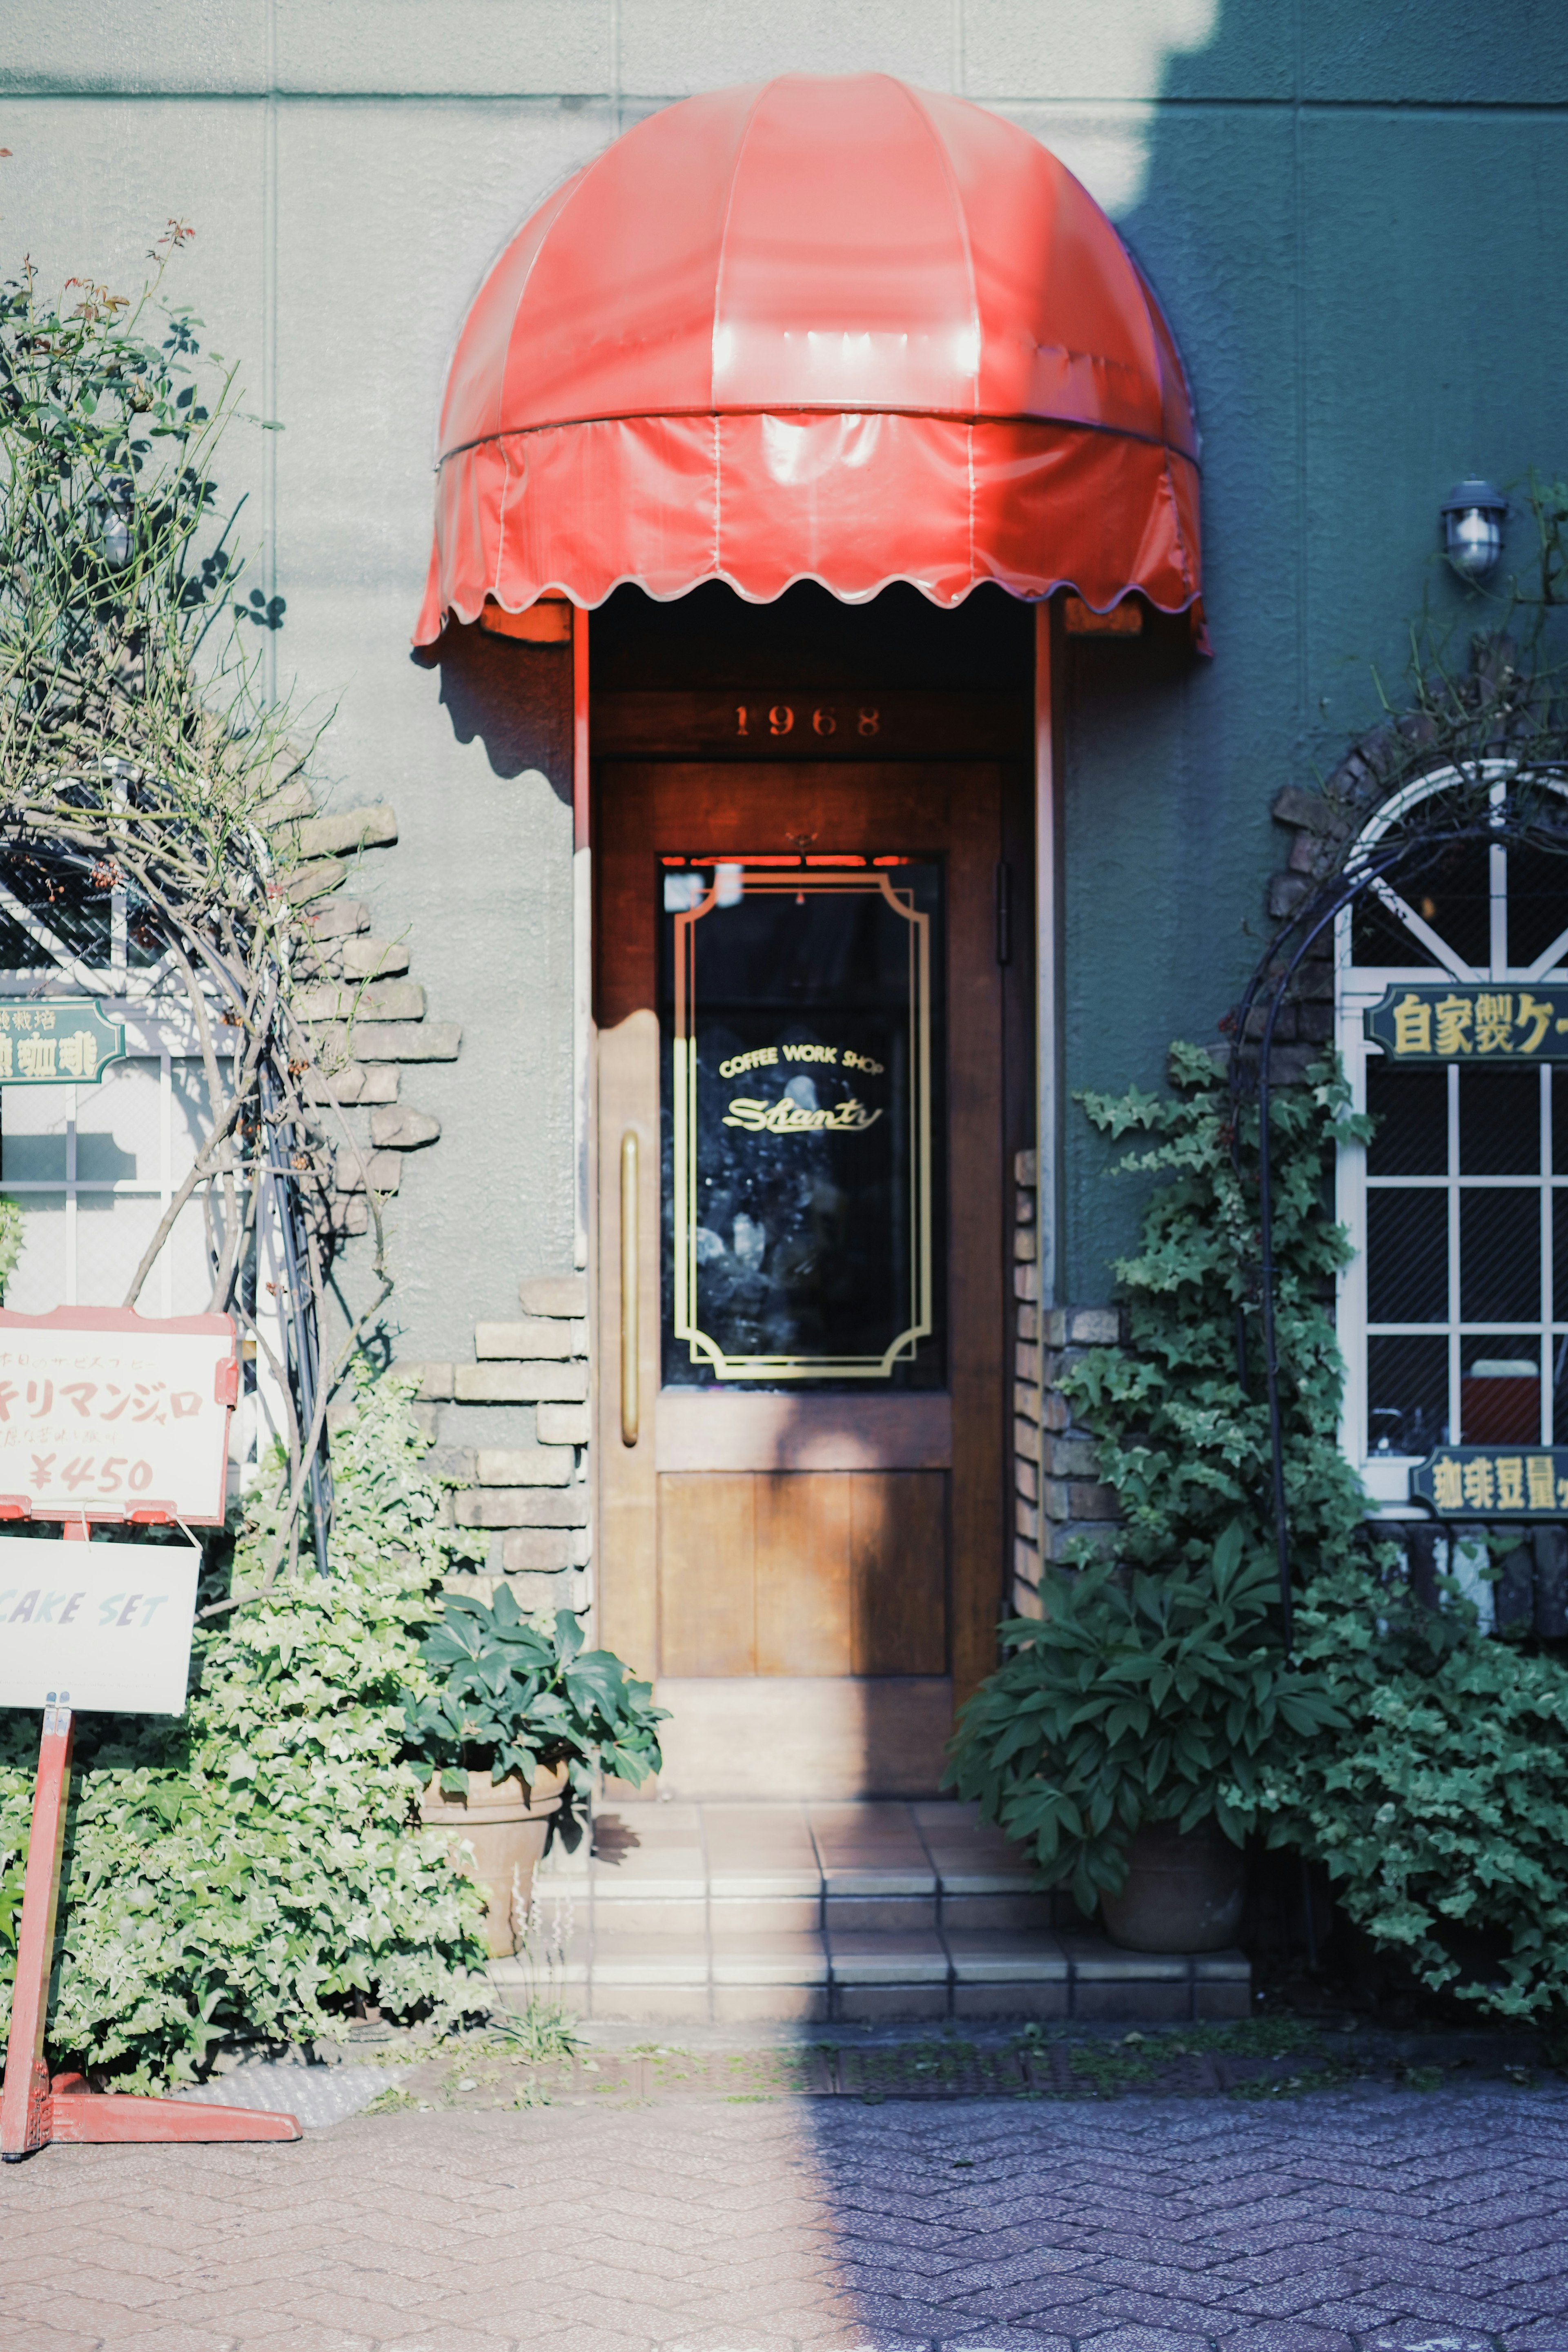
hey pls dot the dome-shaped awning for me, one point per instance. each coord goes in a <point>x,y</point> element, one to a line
<point>834,329</point>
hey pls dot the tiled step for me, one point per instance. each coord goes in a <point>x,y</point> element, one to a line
<point>748,1914</point>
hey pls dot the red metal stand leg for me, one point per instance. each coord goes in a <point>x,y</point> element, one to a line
<point>32,2112</point>
<point>93,2117</point>
<point>25,2101</point>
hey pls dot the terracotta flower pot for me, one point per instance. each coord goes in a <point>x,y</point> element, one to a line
<point>507,1827</point>
<point>1183,1892</point>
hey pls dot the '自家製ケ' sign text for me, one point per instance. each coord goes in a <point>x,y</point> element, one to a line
<point>1442,1021</point>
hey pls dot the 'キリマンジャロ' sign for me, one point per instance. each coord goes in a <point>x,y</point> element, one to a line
<point>100,1624</point>
<point>109,1414</point>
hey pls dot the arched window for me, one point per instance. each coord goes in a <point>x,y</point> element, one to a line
<point>1454,1313</point>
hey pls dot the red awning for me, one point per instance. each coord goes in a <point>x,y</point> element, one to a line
<point>828,329</point>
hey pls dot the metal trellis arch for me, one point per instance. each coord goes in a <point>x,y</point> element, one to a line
<point>1531,811</point>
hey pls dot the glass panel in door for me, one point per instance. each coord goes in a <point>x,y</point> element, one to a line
<point>803,1050</point>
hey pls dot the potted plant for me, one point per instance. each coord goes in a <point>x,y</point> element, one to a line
<point>518,1718</point>
<point>1122,1728</point>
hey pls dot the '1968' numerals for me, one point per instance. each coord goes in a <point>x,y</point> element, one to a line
<point>778,719</point>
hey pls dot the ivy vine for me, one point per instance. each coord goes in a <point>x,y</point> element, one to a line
<point>1184,1432</point>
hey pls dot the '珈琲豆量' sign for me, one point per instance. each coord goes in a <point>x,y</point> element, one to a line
<point>1493,1482</point>
<point>100,1625</point>
<point>57,1041</point>
<point>1446,1021</point>
<point>107,1414</point>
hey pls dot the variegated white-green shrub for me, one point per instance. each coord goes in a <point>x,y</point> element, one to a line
<point>245,1871</point>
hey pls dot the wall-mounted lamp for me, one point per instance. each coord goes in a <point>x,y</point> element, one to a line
<point>1473,514</point>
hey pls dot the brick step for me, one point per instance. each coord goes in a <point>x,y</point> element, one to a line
<point>631,1913</point>
<point>737,1914</point>
<point>730,1976</point>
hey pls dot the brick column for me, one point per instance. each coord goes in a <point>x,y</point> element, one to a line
<point>512,1430</point>
<point>1057,1491</point>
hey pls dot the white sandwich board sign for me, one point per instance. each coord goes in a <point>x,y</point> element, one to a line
<point>104,1414</point>
<point>96,1625</point>
<point>108,1416</point>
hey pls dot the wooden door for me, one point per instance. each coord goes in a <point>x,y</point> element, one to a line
<point>802,1503</point>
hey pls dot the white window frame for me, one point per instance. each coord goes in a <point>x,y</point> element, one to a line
<point>159,1028</point>
<point>1356,987</point>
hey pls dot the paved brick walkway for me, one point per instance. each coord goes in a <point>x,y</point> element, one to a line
<point>1391,2221</point>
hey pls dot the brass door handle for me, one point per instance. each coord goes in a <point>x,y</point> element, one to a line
<point>630,1399</point>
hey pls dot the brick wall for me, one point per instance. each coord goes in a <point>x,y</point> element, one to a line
<point>365,1017</point>
<point>522,1406</point>
<point>1057,1492</point>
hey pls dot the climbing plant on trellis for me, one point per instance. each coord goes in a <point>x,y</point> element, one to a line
<point>145,840</point>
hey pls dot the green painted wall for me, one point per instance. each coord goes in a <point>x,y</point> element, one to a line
<point>1356,220</point>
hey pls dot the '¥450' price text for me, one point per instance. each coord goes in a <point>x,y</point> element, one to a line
<point>85,1473</point>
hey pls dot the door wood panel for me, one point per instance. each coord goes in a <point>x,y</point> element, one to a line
<point>700,1429</point>
<point>805,1607</point>
<point>899,1544</point>
<point>833,1572</point>
<point>708,1575</point>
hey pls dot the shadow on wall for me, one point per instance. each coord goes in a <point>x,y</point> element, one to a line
<point>1325,274</point>
<point>514,699</point>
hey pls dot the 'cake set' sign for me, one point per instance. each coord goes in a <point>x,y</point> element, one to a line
<point>98,1624</point>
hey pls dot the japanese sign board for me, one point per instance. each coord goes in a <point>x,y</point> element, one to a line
<point>101,1624</point>
<point>1439,1020</point>
<point>57,1041</point>
<point>1493,1482</point>
<point>110,1415</point>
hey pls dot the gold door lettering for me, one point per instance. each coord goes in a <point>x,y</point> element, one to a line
<point>786,1118</point>
<point>761,1057</point>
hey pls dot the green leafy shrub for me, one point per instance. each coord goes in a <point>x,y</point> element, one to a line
<point>1154,1699</point>
<point>1440,1810</point>
<point>1181,1439</point>
<point>1434,1787</point>
<point>508,1695</point>
<point>247,1870</point>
